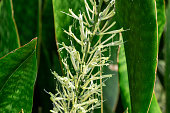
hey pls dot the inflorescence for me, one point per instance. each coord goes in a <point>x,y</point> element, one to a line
<point>79,91</point>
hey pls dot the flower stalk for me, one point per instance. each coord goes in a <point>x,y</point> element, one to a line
<point>79,91</point>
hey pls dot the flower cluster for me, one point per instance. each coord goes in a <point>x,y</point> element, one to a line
<point>79,91</point>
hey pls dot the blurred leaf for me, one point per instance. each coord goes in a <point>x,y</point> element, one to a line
<point>160,4</point>
<point>141,49</point>
<point>161,72</point>
<point>48,58</point>
<point>17,76</point>
<point>111,90</point>
<point>161,67</point>
<point>26,16</point>
<point>123,79</point>
<point>9,39</point>
<point>167,61</point>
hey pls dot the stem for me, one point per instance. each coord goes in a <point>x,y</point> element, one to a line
<point>96,20</point>
<point>101,83</point>
<point>91,38</point>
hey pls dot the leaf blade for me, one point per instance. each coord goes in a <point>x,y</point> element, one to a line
<point>9,39</point>
<point>141,48</point>
<point>124,85</point>
<point>17,77</point>
<point>123,79</point>
<point>26,16</point>
<point>161,19</point>
<point>154,108</point>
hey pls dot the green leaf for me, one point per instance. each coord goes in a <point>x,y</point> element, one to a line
<point>161,19</point>
<point>17,77</point>
<point>124,85</point>
<point>9,39</point>
<point>154,108</point>
<point>63,21</point>
<point>123,79</point>
<point>26,16</point>
<point>141,49</point>
<point>48,58</point>
<point>167,61</point>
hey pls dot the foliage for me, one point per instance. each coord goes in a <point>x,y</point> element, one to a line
<point>138,56</point>
<point>17,78</point>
